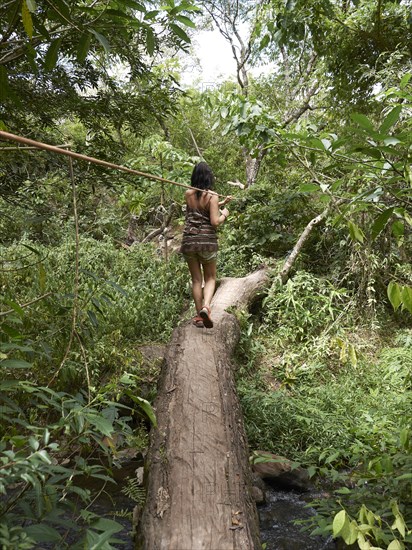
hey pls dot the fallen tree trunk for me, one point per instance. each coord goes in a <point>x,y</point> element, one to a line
<point>199,490</point>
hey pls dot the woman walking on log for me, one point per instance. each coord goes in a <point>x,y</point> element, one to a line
<point>199,243</point>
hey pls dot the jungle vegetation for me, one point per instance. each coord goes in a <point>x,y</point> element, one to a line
<point>325,358</point>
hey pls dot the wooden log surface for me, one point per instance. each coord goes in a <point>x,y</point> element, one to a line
<point>199,489</point>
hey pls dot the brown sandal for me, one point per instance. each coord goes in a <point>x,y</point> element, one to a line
<point>198,321</point>
<point>205,315</point>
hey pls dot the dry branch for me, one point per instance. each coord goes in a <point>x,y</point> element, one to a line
<point>287,266</point>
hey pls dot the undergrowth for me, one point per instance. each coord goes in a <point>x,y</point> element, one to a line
<point>324,389</point>
<point>74,383</point>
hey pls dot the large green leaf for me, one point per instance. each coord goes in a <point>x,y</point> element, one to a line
<point>390,119</point>
<point>185,21</point>
<point>178,31</point>
<point>144,405</point>
<point>308,187</point>
<point>224,111</point>
<point>356,232</point>
<point>83,46</point>
<point>363,121</point>
<point>406,296</point>
<point>404,80</point>
<point>339,522</point>
<point>380,222</point>
<point>27,20</point>
<point>150,41</point>
<point>398,229</point>
<point>102,39</point>
<point>52,53</point>
<point>151,14</point>
<point>15,364</point>
<point>106,524</point>
<point>394,294</point>
<point>102,424</point>
<point>184,6</point>
<point>264,42</point>
<point>43,533</point>
<point>15,306</point>
<point>132,4</point>
<point>396,545</point>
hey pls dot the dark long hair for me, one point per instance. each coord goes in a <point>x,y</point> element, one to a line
<point>202,178</point>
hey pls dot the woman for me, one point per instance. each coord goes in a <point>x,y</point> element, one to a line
<point>199,243</point>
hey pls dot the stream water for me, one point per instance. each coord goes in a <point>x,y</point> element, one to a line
<point>277,529</point>
<point>276,516</point>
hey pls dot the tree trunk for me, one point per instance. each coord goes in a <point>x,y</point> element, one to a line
<point>287,266</point>
<point>198,472</point>
<point>253,165</point>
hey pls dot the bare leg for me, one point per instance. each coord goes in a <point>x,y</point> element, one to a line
<point>209,272</point>
<point>196,274</point>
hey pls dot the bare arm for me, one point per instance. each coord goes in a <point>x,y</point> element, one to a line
<point>217,218</point>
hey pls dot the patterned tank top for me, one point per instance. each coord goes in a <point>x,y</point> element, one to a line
<point>199,235</point>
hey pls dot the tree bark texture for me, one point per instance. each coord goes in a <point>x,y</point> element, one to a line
<point>199,487</point>
<point>253,165</point>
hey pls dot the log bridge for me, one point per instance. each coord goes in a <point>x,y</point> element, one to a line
<point>199,480</point>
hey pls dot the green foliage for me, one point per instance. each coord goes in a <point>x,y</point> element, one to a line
<point>197,114</point>
<point>264,225</point>
<point>364,31</point>
<point>133,490</point>
<point>122,296</point>
<point>400,295</point>
<point>324,398</point>
<point>39,427</point>
<point>300,309</point>
<point>247,117</point>
<point>317,384</point>
<point>82,30</point>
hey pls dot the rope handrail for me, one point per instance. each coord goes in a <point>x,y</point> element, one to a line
<point>54,149</point>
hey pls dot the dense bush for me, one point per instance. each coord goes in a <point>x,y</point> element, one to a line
<point>84,338</point>
<point>314,389</point>
<point>132,294</point>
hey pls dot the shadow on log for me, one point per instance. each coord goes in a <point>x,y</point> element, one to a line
<point>199,480</point>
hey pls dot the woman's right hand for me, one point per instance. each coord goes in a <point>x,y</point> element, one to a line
<point>225,212</point>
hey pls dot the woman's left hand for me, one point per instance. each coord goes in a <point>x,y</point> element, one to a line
<point>226,200</point>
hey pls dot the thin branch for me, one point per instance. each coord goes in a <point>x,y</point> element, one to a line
<point>76,275</point>
<point>63,146</point>
<point>72,154</point>
<point>37,262</point>
<point>295,115</point>
<point>287,266</point>
<point>152,235</point>
<point>86,366</point>
<point>27,304</point>
<point>195,142</point>
<point>165,223</point>
<point>53,7</point>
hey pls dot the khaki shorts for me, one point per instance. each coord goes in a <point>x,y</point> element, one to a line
<point>201,257</point>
